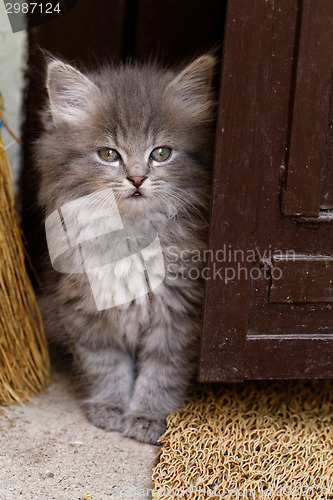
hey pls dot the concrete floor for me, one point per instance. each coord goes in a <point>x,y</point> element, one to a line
<point>50,451</point>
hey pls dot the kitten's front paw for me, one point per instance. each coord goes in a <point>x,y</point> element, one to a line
<point>105,416</point>
<point>144,429</point>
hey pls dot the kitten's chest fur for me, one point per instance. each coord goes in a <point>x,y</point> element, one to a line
<point>152,279</point>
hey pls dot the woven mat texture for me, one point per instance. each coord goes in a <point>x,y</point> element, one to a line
<point>255,440</point>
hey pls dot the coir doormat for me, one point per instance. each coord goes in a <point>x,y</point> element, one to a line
<point>255,440</point>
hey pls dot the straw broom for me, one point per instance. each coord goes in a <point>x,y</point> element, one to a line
<point>24,361</point>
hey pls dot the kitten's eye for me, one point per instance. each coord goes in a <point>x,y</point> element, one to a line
<point>160,154</point>
<point>108,154</point>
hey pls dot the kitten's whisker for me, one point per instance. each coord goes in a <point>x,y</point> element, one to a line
<point>109,199</point>
<point>194,212</point>
<point>164,197</point>
<point>77,188</point>
<point>89,201</point>
<point>182,205</point>
<point>98,202</point>
<point>203,206</point>
<point>184,202</point>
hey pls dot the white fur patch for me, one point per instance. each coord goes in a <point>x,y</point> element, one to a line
<point>118,282</point>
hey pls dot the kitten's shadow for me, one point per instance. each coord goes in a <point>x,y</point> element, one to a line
<point>61,359</point>
<point>62,364</point>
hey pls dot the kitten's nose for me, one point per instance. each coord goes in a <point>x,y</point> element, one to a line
<point>136,180</point>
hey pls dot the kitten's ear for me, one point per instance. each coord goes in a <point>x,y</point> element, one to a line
<point>193,85</point>
<point>69,92</point>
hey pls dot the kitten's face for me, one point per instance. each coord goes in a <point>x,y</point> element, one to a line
<point>140,131</point>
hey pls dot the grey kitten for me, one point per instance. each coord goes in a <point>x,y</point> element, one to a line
<point>124,162</point>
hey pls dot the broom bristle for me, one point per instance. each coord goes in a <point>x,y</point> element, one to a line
<point>24,360</point>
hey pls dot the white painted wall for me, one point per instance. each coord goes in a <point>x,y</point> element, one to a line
<point>12,62</point>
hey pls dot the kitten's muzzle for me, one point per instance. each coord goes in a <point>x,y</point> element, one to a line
<point>137,181</point>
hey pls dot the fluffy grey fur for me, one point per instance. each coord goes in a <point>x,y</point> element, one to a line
<point>136,360</point>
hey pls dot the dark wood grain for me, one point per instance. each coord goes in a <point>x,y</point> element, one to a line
<point>327,190</point>
<point>302,279</point>
<point>241,122</point>
<point>282,358</point>
<point>245,334</point>
<point>310,115</point>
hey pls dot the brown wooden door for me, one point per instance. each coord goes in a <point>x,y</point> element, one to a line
<point>268,309</point>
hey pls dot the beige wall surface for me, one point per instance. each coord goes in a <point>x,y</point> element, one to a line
<point>12,61</point>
